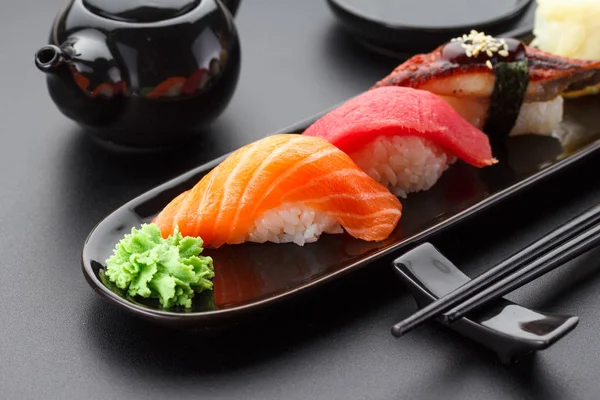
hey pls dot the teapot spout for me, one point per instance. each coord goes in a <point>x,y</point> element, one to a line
<point>49,58</point>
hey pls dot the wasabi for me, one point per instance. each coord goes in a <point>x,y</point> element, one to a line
<point>171,270</point>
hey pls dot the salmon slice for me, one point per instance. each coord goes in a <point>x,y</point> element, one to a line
<point>281,171</point>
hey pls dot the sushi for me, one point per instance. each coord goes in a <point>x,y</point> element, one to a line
<point>284,188</point>
<point>501,86</point>
<point>403,138</point>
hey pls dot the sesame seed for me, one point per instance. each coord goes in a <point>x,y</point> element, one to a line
<point>489,64</point>
<point>477,43</point>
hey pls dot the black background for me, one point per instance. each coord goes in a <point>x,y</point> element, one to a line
<point>58,339</point>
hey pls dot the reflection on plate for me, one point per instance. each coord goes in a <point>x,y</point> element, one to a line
<point>249,276</point>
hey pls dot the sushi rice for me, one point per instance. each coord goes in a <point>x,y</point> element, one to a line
<point>539,118</point>
<point>293,223</point>
<point>403,164</point>
<point>535,118</point>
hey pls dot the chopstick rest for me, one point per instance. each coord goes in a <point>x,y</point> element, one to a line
<point>566,242</point>
<point>509,329</point>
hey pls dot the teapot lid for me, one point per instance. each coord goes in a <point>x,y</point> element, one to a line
<point>140,10</point>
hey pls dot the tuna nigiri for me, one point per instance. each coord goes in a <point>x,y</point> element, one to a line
<point>284,188</point>
<point>403,138</point>
<point>501,86</point>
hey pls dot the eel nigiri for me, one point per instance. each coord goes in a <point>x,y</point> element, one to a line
<point>403,138</point>
<point>501,86</point>
<point>284,188</point>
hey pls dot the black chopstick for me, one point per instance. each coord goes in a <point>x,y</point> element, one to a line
<point>559,236</point>
<point>555,258</point>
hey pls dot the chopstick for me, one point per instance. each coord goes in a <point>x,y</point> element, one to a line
<point>555,258</point>
<point>556,238</point>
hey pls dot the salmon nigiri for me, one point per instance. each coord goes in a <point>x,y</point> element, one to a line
<point>403,138</point>
<point>284,188</point>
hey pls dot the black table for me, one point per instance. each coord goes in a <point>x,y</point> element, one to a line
<point>60,340</point>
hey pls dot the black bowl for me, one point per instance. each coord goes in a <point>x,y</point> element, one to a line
<point>402,28</point>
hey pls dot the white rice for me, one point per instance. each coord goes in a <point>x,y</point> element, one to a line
<point>292,223</point>
<point>539,118</point>
<point>403,164</point>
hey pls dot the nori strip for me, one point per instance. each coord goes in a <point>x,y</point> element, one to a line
<point>511,84</point>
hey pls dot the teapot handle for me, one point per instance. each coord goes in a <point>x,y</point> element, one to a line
<point>232,5</point>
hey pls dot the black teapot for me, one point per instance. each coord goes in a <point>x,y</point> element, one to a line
<point>143,73</point>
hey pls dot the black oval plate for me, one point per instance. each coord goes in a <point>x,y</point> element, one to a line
<point>403,28</point>
<point>250,276</point>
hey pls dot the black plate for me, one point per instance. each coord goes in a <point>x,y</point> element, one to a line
<point>250,276</point>
<point>403,28</point>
